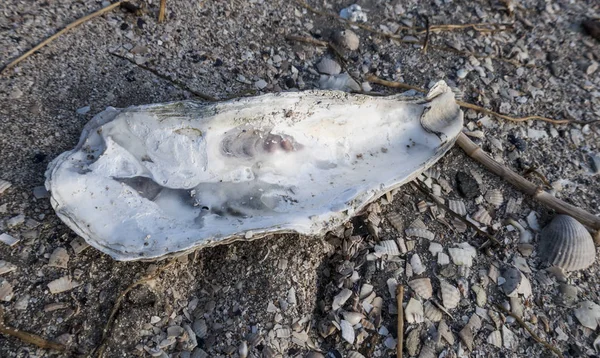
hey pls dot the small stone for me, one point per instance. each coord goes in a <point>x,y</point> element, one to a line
<point>6,291</point>
<point>40,192</point>
<point>83,110</point>
<point>592,68</point>
<point>15,221</point>
<point>462,73</point>
<point>467,185</point>
<point>8,240</point>
<point>260,84</point>
<point>346,39</point>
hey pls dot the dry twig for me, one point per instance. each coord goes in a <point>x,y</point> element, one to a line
<point>162,11</point>
<point>427,34</point>
<point>31,338</point>
<point>531,332</point>
<point>56,35</point>
<point>113,313</point>
<point>400,341</point>
<point>174,82</point>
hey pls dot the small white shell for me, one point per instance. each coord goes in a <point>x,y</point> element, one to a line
<point>436,189</point>
<point>62,284</point>
<point>59,258</point>
<point>422,233</point>
<point>6,267</point>
<point>494,197</point>
<point>480,294</point>
<point>567,244</point>
<point>450,294</point>
<point>417,265</point>
<point>347,331</point>
<point>392,285</point>
<point>482,216</point>
<point>422,286</point>
<point>328,66</point>
<point>495,339</point>
<point>445,185</point>
<point>432,313</point>
<point>588,314</point>
<point>466,336</point>
<point>353,317</point>
<point>6,291</point>
<point>512,278</point>
<point>340,299</point>
<point>414,312</point>
<point>443,259</point>
<point>4,185</point>
<point>387,247</point>
<point>458,207</point>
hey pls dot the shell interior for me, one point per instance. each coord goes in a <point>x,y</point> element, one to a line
<point>149,181</point>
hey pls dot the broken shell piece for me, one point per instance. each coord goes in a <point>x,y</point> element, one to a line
<point>6,267</point>
<point>340,299</point>
<point>450,294</point>
<point>482,216</point>
<point>422,286</point>
<point>458,207</point>
<point>445,332</point>
<point>463,256</point>
<point>59,258</point>
<point>428,351</point>
<point>396,220</point>
<point>431,312</point>
<point>355,354</point>
<point>466,336</point>
<point>365,290</point>
<point>353,317</point>
<point>387,247</point>
<point>414,312</point>
<point>417,265</point>
<point>443,259</point>
<point>413,341</point>
<point>567,244</point>
<point>588,314</point>
<point>341,82</point>
<point>435,248</point>
<point>4,185</point>
<point>459,225</point>
<point>347,331</point>
<point>328,66</point>
<point>8,240</point>
<point>62,284</point>
<point>494,197</point>
<point>525,235</point>
<point>422,233</point>
<point>149,181</point>
<point>495,339</point>
<point>6,291</point>
<point>510,339</point>
<point>392,285</point>
<point>480,294</point>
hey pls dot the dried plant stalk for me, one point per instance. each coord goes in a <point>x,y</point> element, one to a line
<point>400,341</point>
<point>162,10</point>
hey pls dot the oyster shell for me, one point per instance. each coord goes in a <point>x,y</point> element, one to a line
<point>149,181</point>
<point>567,244</point>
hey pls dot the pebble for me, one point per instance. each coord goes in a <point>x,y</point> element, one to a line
<point>83,110</point>
<point>462,73</point>
<point>467,185</point>
<point>8,239</point>
<point>260,84</point>
<point>40,192</point>
<point>15,221</point>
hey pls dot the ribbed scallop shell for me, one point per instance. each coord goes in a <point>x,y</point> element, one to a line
<point>458,207</point>
<point>450,294</point>
<point>567,244</point>
<point>494,197</point>
<point>4,185</point>
<point>422,233</point>
<point>432,313</point>
<point>459,225</point>
<point>328,66</point>
<point>513,206</point>
<point>422,287</point>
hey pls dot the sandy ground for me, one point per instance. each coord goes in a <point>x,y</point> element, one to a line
<point>241,292</point>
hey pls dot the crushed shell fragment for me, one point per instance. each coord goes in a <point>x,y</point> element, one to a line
<point>62,284</point>
<point>422,286</point>
<point>450,294</point>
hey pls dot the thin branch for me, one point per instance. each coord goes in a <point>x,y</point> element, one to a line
<point>58,34</point>
<point>113,313</point>
<point>479,27</point>
<point>427,34</point>
<point>374,79</point>
<point>31,338</point>
<point>400,340</point>
<point>162,11</point>
<point>531,332</point>
<point>174,82</point>
<point>475,152</point>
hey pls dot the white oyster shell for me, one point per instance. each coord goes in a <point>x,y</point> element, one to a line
<point>148,181</point>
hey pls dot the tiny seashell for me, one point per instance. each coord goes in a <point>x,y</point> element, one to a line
<point>59,258</point>
<point>6,291</point>
<point>443,259</point>
<point>365,290</point>
<point>417,224</point>
<point>445,332</point>
<point>422,206</point>
<point>347,331</point>
<point>513,206</point>
<point>6,267</point>
<point>78,245</point>
<point>435,248</point>
<point>62,284</point>
<point>408,271</point>
<point>328,66</point>
<point>458,206</point>
<point>567,244</point>
<point>8,240</point>
<point>422,233</point>
<point>494,197</point>
<point>459,225</point>
<point>427,352</point>
<point>431,312</point>
<point>375,314</point>
<point>417,265</point>
<point>354,354</point>
<point>414,312</point>
<point>396,220</point>
<point>520,263</point>
<point>510,339</point>
<point>422,286</point>
<point>450,294</point>
<point>340,299</point>
<point>284,333</point>
<point>445,185</point>
<point>387,247</point>
<point>495,339</point>
<point>4,185</point>
<point>588,314</point>
<point>353,317</point>
<point>413,341</point>
<point>482,216</point>
<point>346,39</point>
